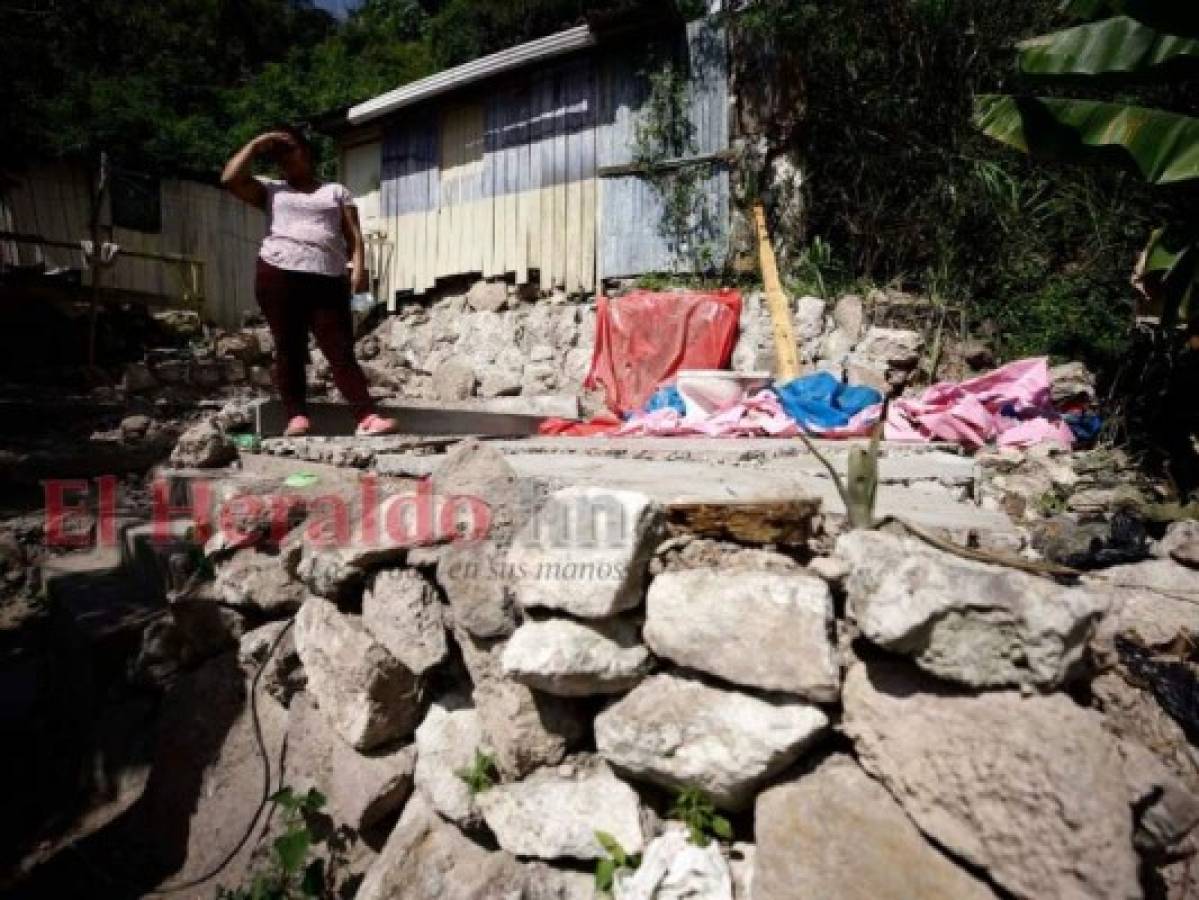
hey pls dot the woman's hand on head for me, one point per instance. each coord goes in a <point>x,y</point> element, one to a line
<point>270,141</point>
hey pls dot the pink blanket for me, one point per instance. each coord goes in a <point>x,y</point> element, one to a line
<point>1010,406</point>
<point>760,415</point>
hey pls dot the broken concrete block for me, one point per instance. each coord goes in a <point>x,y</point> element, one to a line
<point>674,867</point>
<point>586,552</point>
<point>555,814</point>
<point>849,315</point>
<point>203,446</point>
<point>402,611</point>
<point>979,625</point>
<point>446,743</point>
<point>836,832</point>
<point>472,576</point>
<point>360,789</point>
<point>680,732</point>
<point>526,729</point>
<point>368,695</point>
<point>1014,784</point>
<point>577,659</point>
<point>757,629</point>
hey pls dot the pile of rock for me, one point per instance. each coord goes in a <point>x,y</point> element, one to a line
<point>836,338</point>
<point>493,340</point>
<point>888,721</point>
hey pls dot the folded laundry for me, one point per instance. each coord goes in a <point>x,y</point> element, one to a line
<point>756,416</point>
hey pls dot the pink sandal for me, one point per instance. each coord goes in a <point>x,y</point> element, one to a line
<point>376,426</point>
<point>297,426</point>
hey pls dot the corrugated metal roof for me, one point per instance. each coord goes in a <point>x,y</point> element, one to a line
<point>578,38</point>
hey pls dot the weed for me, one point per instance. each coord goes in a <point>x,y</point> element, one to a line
<point>480,775</point>
<point>696,810</point>
<point>615,862</point>
<point>290,874</point>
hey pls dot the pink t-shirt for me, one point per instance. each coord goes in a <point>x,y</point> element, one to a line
<point>303,231</point>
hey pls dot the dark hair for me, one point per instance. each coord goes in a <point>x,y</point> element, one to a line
<point>301,134</point>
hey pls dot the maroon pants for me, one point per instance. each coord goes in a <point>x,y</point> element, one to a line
<point>296,303</point>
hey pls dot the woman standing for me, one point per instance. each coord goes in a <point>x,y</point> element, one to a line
<point>301,282</point>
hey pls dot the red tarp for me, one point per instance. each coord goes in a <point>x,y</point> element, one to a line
<point>643,338</point>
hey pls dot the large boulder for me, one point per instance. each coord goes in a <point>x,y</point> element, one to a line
<point>368,695</point>
<point>836,832</point>
<point>586,552</point>
<point>1027,787</point>
<point>983,626</point>
<point>427,859</point>
<point>402,611</point>
<point>1154,599</point>
<point>571,658</point>
<point>680,732</point>
<point>673,868</point>
<point>552,815</point>
<point>360,789</point>
<point>446,743</point>
<point>758,629</point>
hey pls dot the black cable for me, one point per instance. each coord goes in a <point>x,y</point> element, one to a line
<point>266,788</point>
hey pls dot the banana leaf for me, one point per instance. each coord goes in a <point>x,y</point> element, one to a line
<point>1118,45</point>
<point>1171,270</point>
<point>1163,147</point>
<point>1173,16</point>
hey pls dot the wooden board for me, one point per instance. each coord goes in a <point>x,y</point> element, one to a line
<point>782,522</point>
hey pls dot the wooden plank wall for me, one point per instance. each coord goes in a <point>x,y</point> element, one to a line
<point>198,220</point>
<point>631,240</point>
<point>504,181</point>
<point>501,184</point>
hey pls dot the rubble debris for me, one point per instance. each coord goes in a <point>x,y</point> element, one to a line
<point>571,658</point>
<point>681,732</point>
<point>758,630</point>
<point>446,744</point>
<point>258,582</point>
<point>370,697</point>
<point>585,552</point>
<point>555,813</point>
<point>203,446</point>
<point>284,676</point>
<point>673,867</point>
<point>401,610</point>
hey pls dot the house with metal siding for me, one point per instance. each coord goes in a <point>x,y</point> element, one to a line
<point>524,164</point>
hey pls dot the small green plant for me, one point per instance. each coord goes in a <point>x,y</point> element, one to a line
<point>480,775</point>
<point>617,860</point>
<point>695,809</point>
<point>291,875</point>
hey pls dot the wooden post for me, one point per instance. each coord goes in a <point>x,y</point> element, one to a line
<point>785,353</point>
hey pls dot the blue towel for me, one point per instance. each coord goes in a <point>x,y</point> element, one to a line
<point>1085,426</point>
<point>667,397</point>
<point>821,401</point>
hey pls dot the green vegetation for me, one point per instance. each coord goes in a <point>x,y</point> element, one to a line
<point>290,875</point>
<point>615,862</point>
<point>480,775</point>
<point>903,190</point>
<point>695,810</point>
<point>1151,40</point>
